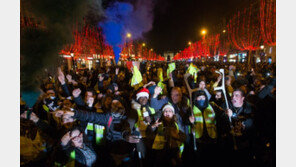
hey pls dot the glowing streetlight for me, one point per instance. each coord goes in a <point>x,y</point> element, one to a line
<point>262,46</point>
<point>189,43</point>
<point>151,49</point>
<point>224,31</point>
<point>129,35</point>
<point>143,44</point>
<point>203,32</point>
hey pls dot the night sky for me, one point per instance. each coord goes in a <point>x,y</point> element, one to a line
<point>178,21</point>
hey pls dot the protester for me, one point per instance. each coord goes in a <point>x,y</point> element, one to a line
<point>152,115</point>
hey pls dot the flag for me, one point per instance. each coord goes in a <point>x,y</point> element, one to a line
<point>137,76</point>
<point>171,68</point>
<point>193,70</point>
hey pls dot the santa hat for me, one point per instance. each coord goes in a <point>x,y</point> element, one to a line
<point>168,106</point>
<point>143,93</point>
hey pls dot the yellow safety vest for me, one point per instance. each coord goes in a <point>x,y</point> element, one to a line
<point>160,140</point>
<point>99,130</point>
<point>209,117</point>
<point>140,125</point>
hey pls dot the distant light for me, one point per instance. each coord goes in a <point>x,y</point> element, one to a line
<point>89,58</point>
<point>151,49</point>
<point>129,35</point>
<point>66,56</point>
<point>224,31</point>
<point>72,54</point>
<point>204,32</point>
<point>143,44</point>
<point>189,43</point>
<point>262,46</point>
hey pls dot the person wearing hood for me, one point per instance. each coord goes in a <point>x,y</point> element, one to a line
<point>118,134</point>
<point>209,124</point>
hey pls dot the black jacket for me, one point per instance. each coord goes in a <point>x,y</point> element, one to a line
<point>117,128</point>
<point>80,159</point>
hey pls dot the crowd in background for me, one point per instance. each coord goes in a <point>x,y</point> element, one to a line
<point>167,116</point>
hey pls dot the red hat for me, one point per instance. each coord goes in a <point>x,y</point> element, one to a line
<point>143,93</point>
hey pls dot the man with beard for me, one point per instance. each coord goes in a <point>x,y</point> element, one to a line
<point>218,99</point>
<point>179,102</point>
<point>181,106</point>
<point>118,135</point>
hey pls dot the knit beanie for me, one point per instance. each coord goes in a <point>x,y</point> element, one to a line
<point>168,106</point>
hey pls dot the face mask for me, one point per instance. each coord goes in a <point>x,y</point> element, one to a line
<point>201,103</point>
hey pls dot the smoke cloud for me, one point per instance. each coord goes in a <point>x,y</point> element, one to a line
<point>122,18</point>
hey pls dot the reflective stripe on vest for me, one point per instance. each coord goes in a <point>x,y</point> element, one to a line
<point>181,150</point>
<point>160,141</point>
<point>151,110</point>
<point>209,117</point>
<point>45,108</point>
<point>182,144</point>
<point>99,133</point>
<point>90,126</point>
<point>140,124</point>
<point>72,154</point>
<point>99,130</point>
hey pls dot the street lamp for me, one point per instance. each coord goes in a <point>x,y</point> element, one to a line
<point>129,35</point>
<point>224,31</point>
<point>203,32</point>
<point>189,43</point>
<point>143,44</point>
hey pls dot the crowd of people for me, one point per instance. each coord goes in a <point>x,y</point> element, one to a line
<point>169,117</point>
